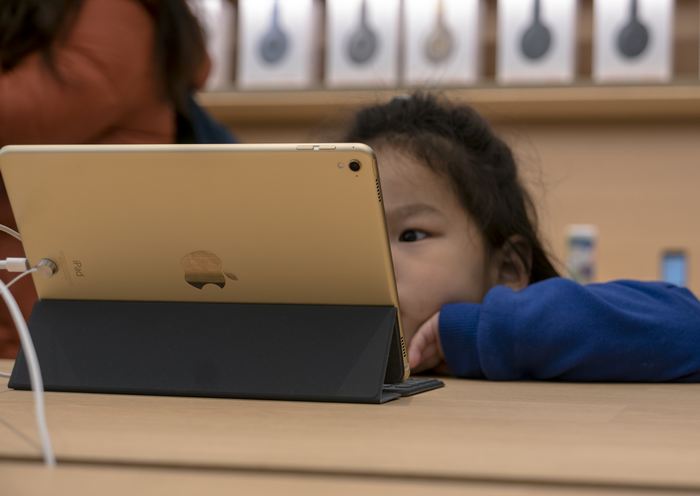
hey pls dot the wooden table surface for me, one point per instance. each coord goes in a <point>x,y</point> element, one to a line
<point>578,436</point>
<point>31,479</point>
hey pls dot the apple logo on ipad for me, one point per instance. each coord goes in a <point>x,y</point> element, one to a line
<point>204,267</point>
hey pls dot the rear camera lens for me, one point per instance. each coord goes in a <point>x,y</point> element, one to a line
<point>354,166</point>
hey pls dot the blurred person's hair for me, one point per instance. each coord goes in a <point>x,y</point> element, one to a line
<point>29,26</point>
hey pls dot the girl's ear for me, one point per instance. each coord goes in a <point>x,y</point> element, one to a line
<point>512,263</point>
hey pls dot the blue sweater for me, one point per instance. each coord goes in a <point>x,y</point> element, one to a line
<point>560,330</point>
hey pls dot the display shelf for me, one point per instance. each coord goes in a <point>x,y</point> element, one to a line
<point>500,104</point>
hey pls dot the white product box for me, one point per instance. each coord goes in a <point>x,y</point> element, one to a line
<point>580,259</point>
<point>633,40</point>
<point>536,41</point>
<point>442,42</point>
<point>217,18</point>
<point>362,43</point>
<point>277,43</point>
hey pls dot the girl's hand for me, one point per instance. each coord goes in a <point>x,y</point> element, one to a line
<point>425,350</point>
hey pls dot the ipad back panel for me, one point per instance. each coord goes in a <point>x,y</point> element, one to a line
<point>221,223</point>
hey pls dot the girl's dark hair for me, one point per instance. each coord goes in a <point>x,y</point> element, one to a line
<point>456,142</point>
<point>28,26</point>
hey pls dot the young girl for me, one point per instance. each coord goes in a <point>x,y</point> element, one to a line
<point>479,296</point>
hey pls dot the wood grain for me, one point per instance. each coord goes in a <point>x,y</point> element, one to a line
<point>607,434</point>
<point>27,479</point>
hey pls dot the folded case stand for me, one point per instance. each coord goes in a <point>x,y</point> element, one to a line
<point>341,353</point>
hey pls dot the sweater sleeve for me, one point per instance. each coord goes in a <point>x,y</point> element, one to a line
<point>560,330</point>
<point>101,67</point>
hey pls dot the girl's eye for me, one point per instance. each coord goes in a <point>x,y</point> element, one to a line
<point>411,235</point>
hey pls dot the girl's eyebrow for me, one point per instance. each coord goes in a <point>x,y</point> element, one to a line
<point>413,209</point>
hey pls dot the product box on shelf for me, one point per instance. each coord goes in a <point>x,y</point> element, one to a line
<point>362,43</point>
<point>442,42</point>
<point>536,41</point>
<point>277,44</point>
<point>633,40</point>
<point>580,259</point>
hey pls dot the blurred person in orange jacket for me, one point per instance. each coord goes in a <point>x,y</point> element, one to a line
<point>90,71</point>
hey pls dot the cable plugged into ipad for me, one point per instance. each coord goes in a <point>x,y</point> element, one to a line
<point>13,264</point>
<point>49,267</point>
<point>46,267</point>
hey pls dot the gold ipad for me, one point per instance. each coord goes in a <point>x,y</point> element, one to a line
<point>283,223</point>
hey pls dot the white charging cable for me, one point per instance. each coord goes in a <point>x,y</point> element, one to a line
<point>11,232</point>
<point>30,271</point>
<point>25,273</point>
<point>13,265</point>
<point>35,380</point>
